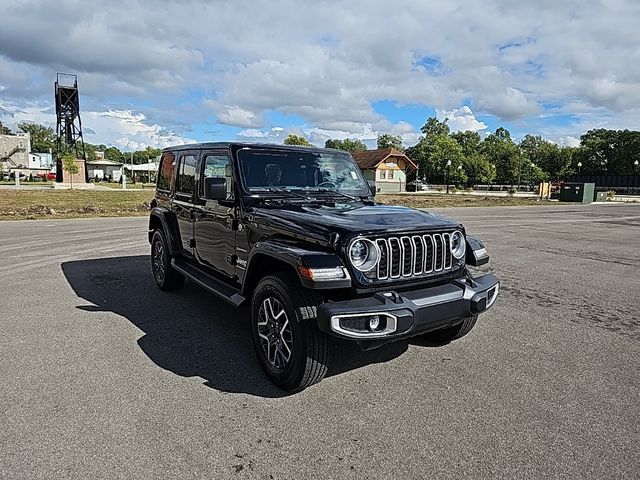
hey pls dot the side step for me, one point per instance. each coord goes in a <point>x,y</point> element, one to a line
<point>208,282</point>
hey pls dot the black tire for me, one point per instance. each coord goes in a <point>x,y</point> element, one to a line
<point>449,334</point>
<point>307,346</point>
<point>165,276</point>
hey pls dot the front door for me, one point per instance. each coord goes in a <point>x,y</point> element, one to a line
<point>215,221</point>
<point>184,197</point>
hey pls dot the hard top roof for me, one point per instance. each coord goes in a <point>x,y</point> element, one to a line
<point>271,146</point>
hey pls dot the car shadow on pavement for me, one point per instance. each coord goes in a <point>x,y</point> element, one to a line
<point>190,332</point>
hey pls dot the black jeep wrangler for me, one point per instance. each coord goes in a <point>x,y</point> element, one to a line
<point>295,231</point>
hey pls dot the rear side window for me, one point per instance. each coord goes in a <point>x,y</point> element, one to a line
<point>167,165</point>
<point>186,182</point>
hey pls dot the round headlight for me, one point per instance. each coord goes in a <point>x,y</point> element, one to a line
<point>458,245</point>
<point>363,254</point>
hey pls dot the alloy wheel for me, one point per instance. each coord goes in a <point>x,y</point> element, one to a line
<point>158,261</point>
<point>274,330</point>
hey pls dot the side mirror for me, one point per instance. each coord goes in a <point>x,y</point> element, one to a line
<point>215,188</point>
<point>372,187</point>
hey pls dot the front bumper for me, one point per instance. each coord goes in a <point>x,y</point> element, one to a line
<point>410,313</point>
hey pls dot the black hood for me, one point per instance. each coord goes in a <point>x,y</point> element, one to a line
<point>320,223</point>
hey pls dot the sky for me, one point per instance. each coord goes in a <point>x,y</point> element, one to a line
<point>166,72</point>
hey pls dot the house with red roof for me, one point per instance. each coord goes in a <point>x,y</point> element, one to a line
<point>387,167</point>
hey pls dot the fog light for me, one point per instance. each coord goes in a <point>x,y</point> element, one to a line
<point>374,323</point>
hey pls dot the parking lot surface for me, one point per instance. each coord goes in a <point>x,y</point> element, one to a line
<point>104,376</point>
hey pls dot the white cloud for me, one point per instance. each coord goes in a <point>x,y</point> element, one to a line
<point>325,63</point>
<point>238,117</point>
<point>460,119</point>
<point>569,141</point>
<point>124,129</point>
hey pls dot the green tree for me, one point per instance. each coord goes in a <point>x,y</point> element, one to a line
<point>501,151</point>
<point>469,141</point>
<point>479,170</point>
<point>5,130</point>
<point>43,139</point>
<point>387,140</point>
<point>608,151</point>
<point>113,154</point>
<point>553,160</point>
<point>296,140</point>
<point>434,127</point>
<point>431,149</point>
<point>346,144</point>
<point>70,166</point>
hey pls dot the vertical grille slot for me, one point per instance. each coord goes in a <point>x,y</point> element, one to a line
<point>407,256</point>
<point>438,252</point>
<point>447,250</point>
<point>395,254</point>
<point>383,264</point>
<point>428,254</point>
<point>418,248</point>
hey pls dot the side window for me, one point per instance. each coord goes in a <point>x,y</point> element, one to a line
<point>390,174</point>
<point>382,173</point>
<point>186,182</point>
<point>217,166</point>
<point>167,165</point>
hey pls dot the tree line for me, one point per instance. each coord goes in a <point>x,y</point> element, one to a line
<point>468,159</point>
<point>496,158</point>
<point>43,140</point>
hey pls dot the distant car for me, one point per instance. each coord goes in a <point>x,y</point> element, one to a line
<point>416,186</point>
<point>21,176</point>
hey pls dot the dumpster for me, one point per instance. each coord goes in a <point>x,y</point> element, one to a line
<point>577,192</point>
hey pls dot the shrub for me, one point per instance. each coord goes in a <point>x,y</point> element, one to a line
<point>468,189</point>
<point>511,191</point>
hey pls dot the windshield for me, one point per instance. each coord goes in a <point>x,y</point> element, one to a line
<point>295,170</point>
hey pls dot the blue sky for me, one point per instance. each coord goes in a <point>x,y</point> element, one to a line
<point>180,71</point>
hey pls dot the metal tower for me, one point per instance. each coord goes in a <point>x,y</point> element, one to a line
<point>69,125</point>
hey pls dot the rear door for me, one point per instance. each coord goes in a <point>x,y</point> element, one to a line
<point>215,221</point>
<point>184,197</point>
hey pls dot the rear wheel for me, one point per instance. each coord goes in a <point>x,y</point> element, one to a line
<point>290,348</point>
<point>165,276</point>
<point>449,334</point>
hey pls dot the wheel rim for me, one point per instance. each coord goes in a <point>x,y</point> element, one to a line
<point>276,336</point>
<point>158,261</point>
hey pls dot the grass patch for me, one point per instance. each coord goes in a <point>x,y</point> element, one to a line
<point>436,200</point>
<point>33,204</point>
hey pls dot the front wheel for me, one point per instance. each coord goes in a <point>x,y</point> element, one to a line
<point>449,334</point>
<point>290,348</point>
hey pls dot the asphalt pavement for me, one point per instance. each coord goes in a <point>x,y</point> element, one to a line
<point>104,376</point>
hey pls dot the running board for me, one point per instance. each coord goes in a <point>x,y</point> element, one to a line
<point>208,282</point>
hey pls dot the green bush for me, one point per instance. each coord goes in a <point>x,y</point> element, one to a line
<point>511,191</point>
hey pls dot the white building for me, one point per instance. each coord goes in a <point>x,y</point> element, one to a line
<point>104,169</point>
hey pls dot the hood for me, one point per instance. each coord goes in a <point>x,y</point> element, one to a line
<point>320,223</point>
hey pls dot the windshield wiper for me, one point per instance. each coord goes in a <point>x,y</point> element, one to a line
<point>336,192</point>
<point>289,192</point>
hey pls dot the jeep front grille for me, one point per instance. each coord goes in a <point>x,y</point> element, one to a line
<point>416,255</point>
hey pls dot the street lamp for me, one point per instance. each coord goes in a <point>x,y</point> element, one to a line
<point>579,166</point>
<point>635,164</point>
<point>447,179</point>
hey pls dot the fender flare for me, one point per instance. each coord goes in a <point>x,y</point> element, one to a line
<point>169,226</point>
<point>294,257</point>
